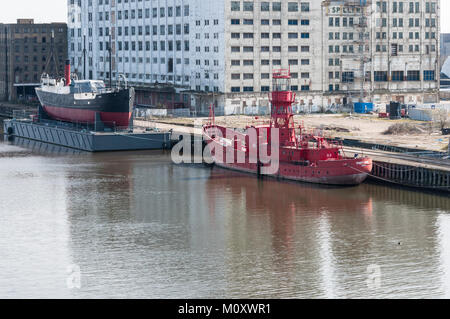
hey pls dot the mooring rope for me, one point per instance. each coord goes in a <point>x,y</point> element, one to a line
<point>394,169</point>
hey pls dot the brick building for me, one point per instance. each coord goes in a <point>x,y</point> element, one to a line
<point>26,51</point>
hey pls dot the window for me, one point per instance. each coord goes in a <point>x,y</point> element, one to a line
<point>397,76</point>
<point>248,6</point>
<point>348,77</point>
<point>304,22</point>
<point>292,6</point>
<point>304,6</point>
<point>428,75</point>
<point>413,76</point>
<point>380,76</point>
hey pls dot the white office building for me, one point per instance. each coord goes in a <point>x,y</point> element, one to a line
<point>187,53</point>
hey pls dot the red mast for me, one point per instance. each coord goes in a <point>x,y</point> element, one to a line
<point>282,99</point>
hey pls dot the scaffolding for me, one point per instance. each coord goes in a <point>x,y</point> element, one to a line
<point>362,10</point>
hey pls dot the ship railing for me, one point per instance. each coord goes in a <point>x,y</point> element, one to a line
<point>24,115</point>
<point>258,122</point>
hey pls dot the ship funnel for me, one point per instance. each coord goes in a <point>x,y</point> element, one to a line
<point>67,72</point>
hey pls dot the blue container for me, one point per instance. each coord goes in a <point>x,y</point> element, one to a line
<point>363,108</point>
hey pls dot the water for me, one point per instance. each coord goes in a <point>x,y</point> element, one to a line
<point>137,226</point>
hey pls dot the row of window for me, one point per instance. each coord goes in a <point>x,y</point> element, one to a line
<point>35,59</point>
<point>266,6</point>
<point>398,7</point>
<point>266,35</point>
<point>26,49</point>
<point>411,36</point>
<point>267,62</point>
<point>249,49</point>
<point>396,48</point>
<point>162,12</point>
<point>238,89</point>
<point>304,22</point>
<point>348,77</point>
<point>265,76</point>
<point>396,76</point>
<point>177,29</point>
<point>147,46</point>
<point>18,29</point>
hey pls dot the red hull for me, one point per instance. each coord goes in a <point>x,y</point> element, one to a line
<point>330,172</point>
<point>116,119</point>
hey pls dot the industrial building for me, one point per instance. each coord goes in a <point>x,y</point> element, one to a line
<point>27,50</point>
<point>191,53</point>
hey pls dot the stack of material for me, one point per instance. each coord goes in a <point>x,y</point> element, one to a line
<point>404,129</point>
<point>427,115</point>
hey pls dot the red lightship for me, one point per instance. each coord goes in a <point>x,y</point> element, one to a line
<point>300,156</point>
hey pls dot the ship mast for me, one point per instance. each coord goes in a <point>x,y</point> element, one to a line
<point>52,56</point>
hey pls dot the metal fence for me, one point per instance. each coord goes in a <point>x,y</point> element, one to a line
<point>24,115</point>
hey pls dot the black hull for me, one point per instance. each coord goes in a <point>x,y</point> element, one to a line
<point>115,108</point>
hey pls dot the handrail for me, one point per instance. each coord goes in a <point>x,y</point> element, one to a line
<point>121,75</point>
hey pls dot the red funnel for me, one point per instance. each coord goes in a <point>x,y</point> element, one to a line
<point>67,72</point>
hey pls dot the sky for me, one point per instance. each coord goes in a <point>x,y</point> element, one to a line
<point>56,11</point>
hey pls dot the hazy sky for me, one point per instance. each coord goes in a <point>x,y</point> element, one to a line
<point>56,11</point>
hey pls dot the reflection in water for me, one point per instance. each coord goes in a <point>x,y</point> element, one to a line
<point>36,147</point>
<point>139,226</point>
<point>443,223</point>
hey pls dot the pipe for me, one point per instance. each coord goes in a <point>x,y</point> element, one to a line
<point>67,72</point>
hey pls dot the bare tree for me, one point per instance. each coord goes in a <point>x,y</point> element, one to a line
<point>443,119</point>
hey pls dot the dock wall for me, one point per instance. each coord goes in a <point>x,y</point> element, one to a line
<point>85,140</point>
<point>412,176</point>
